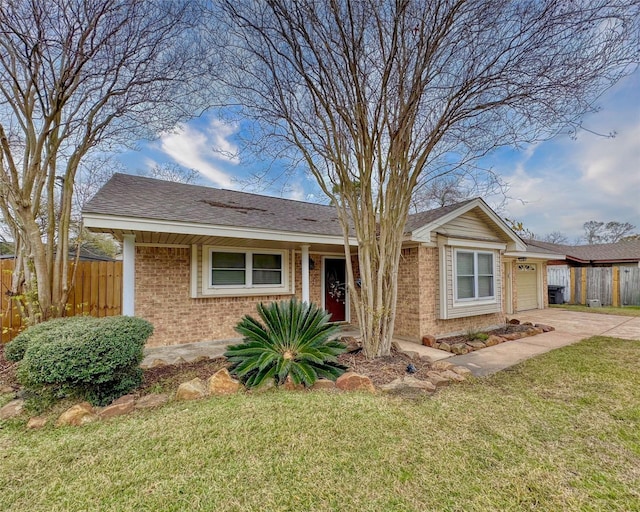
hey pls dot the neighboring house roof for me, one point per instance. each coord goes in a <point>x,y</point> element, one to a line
<point>625,251</point>
<point>128,202</point>
<point>85,255</point>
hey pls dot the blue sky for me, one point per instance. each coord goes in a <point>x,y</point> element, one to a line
<point>556,185</point>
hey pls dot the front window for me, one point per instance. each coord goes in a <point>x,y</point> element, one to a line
<point>246,269</point>
<point>474,275</point>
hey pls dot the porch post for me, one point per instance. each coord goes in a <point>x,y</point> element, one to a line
<point>128,274</point>
<point>305,272</point>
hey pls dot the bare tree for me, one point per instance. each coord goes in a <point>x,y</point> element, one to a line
<point>459,185</point>
<point>596,232</point>
<point>76,77</point>
<point>375,93</point>
<point>556,237</point>
<point>172,172</point>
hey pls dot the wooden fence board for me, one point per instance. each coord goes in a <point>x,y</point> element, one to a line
<point>97,292</point>
<point>613,286</point>
<point>629,286</point>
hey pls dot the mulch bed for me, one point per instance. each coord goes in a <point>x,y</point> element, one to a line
<point>383,370</point>
<point>463,338</point>
<point>179,373</point>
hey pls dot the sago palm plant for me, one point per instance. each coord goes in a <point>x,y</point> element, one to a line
<point>291,340</point>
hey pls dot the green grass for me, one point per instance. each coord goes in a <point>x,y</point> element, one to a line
<point>603,310</point>
<point>559,432</point>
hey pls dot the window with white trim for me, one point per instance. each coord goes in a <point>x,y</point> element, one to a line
<point>246,269</point>
<point>475,279</point>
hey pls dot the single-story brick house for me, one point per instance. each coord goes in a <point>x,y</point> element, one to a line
<point>195,259</point>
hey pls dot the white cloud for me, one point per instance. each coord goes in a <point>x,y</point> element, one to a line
<point>203,149</point>
<point>566,183</point>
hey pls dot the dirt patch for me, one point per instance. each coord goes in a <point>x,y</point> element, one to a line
<point>7,372</point>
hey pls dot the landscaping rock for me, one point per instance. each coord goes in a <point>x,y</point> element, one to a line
<point>158,363</point>
<point>477,344</point>
<point>459,349</point>
<point>411,354</point>
<point>514,321</point>
<point>429,340</point>
<point>37,422</point>
<point>353,345</point>
<point>79,414</point>
<point>12,409</point>
<point>408,383</point>
<point>545,328</point>
<point>123,405</point>
<point>437,380</point>
<point>462,370</point>
<point>200,359</point>
<point>191,390</point>
<point>221,383</point>
<point>351,381</point>
<point>445,346</point>
<point>451,375</point>
<point>513,336</point>
<point>152,400</point>
<point>528,324</point>
<point>323,384</point>
<point>442,365</point>
<point>289,385</point>
<point>535,331</point>
<point>493,340</point>
<point>179,360</point>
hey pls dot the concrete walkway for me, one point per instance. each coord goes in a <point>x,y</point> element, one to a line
<point>571,327</point>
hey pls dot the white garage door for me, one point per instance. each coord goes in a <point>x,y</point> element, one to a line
<point>527,283</point>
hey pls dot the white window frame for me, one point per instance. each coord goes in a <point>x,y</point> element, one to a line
<point>475,299</point>
<point>232,290</point>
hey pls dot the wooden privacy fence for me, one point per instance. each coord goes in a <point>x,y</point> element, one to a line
<point>97,292</point>
<point>612,286</point>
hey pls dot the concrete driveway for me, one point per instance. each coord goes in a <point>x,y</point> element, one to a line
<point>570,326</point>
<point>585,324</point>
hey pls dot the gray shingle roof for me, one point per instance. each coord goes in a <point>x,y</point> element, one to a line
<point>127,195</point>
<point>620,251</point>
<point>135,196</point>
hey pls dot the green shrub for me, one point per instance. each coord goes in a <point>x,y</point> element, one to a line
<point>477,335</point>
<point>15,349</point>
<point>293,341</point>
<point>97,359</point>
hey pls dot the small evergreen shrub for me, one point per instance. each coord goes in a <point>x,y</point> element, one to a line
<point>97,359</point>
<point>15,349</point>
<point>291,341</point>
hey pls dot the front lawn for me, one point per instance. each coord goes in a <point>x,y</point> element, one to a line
<point>559,432</point>
<point>603,310</point>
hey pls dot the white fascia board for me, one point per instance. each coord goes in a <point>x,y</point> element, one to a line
<point>475,244</point>
<point>189,228</point>
<point>534,255</point>
<point>423,234</point>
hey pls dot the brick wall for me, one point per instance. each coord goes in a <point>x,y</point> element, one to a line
<point>410,294</point>
<point>163,298</point>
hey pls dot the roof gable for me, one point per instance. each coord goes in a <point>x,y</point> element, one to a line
<point>424,225</point>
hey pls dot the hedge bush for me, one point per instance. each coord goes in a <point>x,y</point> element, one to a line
<point>97,359</point>
<point>15,349</point>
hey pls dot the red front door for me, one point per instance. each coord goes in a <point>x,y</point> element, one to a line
<point>335,288</point>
